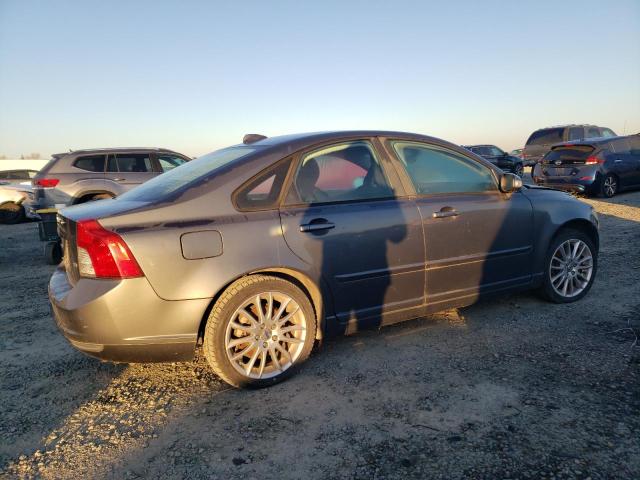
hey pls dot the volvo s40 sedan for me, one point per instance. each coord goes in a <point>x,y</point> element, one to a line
<point>260,249</point>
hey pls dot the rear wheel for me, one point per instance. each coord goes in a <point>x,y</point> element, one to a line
<point>53,253</point>
<point>570,267</point>
<point>609,186</point>
<point>259,331</point>
<point>11,213</point>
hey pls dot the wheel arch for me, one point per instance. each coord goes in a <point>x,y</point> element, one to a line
<point>582,225</point>
<point>299,279</point>
<point>82,197</point>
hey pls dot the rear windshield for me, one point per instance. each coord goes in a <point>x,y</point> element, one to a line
<point>546,137</point>
<point>186,174</point>
<point>572,154</point>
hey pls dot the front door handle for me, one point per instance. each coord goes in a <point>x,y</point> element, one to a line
<point>317,225</point>
<point>445,212</point>
<point>118,179</point>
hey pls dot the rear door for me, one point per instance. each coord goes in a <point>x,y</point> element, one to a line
<point>343,217</point>
<point>477,238</point>
<point>127,170</point>
<point>634,154</point>
<point>624,165</point>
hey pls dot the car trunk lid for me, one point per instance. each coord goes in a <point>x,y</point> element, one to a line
<point>565,160</point>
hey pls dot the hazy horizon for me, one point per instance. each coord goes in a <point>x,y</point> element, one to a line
<point>196,76</point>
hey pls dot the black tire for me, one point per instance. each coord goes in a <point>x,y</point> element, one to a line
<point>609,186</point>
<point>101,196</point>
<point>53,253</point>
<point>547,288</point>
<point>11,213</point>
<point>222,314</point>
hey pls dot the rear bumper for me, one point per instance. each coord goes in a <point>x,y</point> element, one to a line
<point>124,320</point>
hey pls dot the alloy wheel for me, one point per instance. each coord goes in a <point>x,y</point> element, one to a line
<point>266,335</point>
<point>610,186</point>
<point>571,268</point>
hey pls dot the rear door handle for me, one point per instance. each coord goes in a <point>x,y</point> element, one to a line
<point>445,212</point>
<point>118,179</point>
<point>317,226</point>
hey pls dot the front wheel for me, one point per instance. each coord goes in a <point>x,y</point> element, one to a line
<point>571,265</point>
<point>259,331</point>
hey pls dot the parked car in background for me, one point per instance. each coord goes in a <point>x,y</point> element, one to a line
<point>85,175</point>
<point>262,248</point>
<point>540,141</point>
<point>517,153</point>
<point>501,159</point>
<point>16,176</point>
<point>12,202</point>
<point>602,166</point>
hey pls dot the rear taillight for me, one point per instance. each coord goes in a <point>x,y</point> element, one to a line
<point>594,161</point>
<point>103,253</point>
<point>46,182</point>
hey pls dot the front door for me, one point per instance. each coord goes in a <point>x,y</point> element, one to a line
<point>343,218</point>
<point>477,238</point>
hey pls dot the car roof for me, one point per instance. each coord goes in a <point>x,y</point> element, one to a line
<point>481,145</point>
<point>570,125</point>
<point>301,140</point>
<point>115,150</point>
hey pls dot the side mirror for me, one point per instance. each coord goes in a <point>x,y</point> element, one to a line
<point>510,183</point>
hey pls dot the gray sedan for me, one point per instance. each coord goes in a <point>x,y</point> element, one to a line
<point>259,250</point>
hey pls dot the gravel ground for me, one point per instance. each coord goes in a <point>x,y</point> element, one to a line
<point>508,388</point>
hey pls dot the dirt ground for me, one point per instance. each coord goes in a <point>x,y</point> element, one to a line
<point>509,388</point>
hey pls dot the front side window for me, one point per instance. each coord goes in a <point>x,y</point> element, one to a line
<point>133,162</point>
<point>495,151</point>
<point>607,132</point>
<point>437,170</point>
<point>344,172</point>
<point>593,132</point>
<point>90,163</point>
<point>169,162</point>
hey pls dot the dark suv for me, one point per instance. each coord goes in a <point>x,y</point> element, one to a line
<point>84,175</point>
<point>601,166</point>
<point>500,158</point>
<point>540,141</point>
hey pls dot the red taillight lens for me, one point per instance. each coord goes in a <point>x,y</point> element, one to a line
<point>594,161</point>
<point>103,254</point>
<point>47,182</point>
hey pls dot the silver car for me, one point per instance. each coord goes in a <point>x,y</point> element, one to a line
<point>85,175</point>
<point>261,249</point>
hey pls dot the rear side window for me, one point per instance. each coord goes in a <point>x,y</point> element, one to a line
<point>90,163</point>
<point>133,162</point>
<point>576,133</point>
<point>547,136</point>
<point>262,193</point>
<point>437,170</point>
<point>339,173</point>
<point>169,162</point>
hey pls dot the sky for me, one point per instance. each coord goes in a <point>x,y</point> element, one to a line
<point>195,76</point>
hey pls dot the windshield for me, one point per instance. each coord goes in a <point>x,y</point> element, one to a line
<point>186,174</point>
